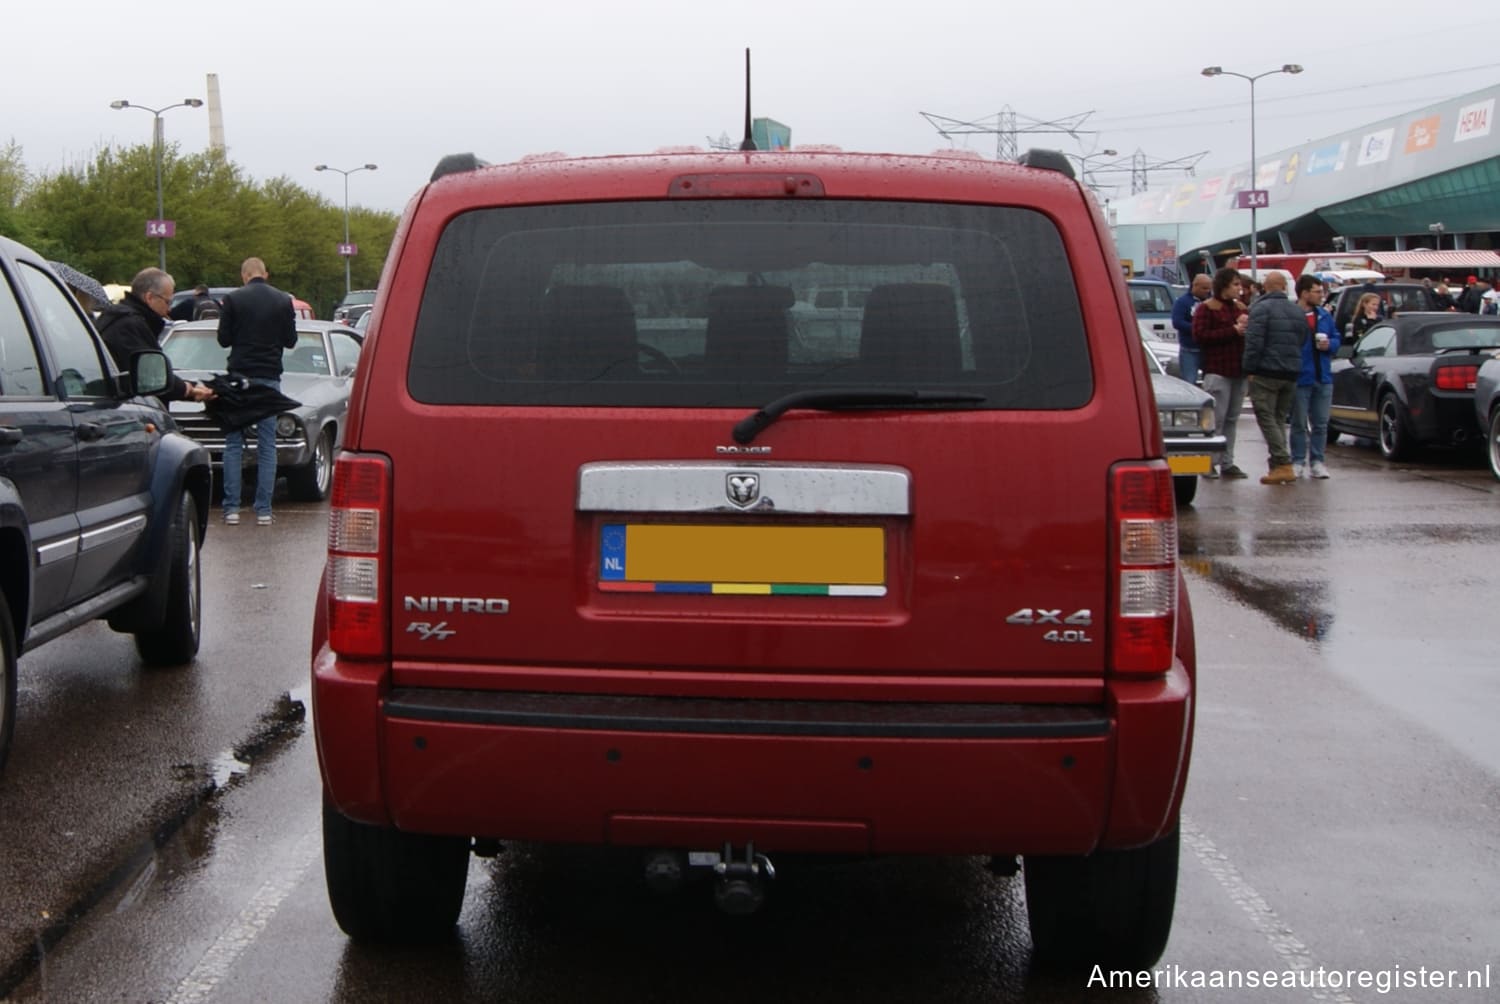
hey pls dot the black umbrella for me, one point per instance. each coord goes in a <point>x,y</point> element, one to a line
<point>81,283</point>
<point>237,403</point>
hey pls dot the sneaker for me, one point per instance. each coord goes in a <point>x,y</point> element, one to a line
<point>264,519</point>
<point>1299,471</point>
<point>1320,470</point>
<point>1212,473</point>
<point>1232,471</point>
<point>231,519</point>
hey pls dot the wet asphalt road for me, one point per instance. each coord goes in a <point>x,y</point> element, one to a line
<point>1341,812</point>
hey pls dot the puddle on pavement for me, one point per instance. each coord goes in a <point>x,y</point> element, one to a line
<point>1302,607</point>
<point>1287,538</point>
<point>1421,533</point>
<point>181,840</point>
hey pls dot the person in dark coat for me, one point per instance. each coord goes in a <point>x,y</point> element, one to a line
<point>135,325</point>
<point>1472,298</point>
<point>1183,309</point>
<point>1273,360</point>
<point>187,310</point>
<point>256,324</point>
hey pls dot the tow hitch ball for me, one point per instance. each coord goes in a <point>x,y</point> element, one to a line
<point>741,888</point>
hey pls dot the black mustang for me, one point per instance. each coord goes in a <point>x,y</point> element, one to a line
<point>1410,381</point>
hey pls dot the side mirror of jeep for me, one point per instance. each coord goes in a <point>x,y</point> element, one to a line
<point>150,373</point>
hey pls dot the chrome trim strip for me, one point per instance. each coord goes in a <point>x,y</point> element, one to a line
<point>700,486</point>
<point>128,527</point>
<point>1353,413</point>
<point>46,554</point>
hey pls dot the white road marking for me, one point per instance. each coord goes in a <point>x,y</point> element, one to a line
<point>1283,942</point>
<point>200,984</point>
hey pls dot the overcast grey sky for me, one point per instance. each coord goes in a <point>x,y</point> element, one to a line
<point>401,84</point>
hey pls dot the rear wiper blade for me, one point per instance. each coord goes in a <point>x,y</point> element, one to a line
<point>746,429</point>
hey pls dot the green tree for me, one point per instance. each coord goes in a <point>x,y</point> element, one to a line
<point>13,182</point>
<point>93,216</point>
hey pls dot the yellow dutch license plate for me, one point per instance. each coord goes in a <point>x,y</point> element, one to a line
<point>1190,464</point>
<point>742,560</point>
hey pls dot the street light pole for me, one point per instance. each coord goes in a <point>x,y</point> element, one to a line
<point>348,285</point>
<point>1215,71</point>
<point>157,141</point>
<point>1083,163</point>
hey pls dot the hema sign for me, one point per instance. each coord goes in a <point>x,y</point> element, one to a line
<point>1474,121</point>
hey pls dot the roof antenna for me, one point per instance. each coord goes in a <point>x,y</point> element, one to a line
<point>748,143</point>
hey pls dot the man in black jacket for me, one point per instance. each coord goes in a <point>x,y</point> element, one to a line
<point>135,325</point>
<point>191,307</point>
<point>1273,360</point>
<point>256,323</point>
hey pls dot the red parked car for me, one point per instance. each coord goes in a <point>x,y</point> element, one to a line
<point>623,552</point>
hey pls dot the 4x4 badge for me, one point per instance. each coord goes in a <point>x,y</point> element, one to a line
<point>742,488</point>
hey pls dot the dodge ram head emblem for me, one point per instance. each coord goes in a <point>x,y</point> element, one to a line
<point>743,489</point>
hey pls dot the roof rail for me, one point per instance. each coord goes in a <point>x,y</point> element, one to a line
<point>456,163</point>
<point>1048,160</point>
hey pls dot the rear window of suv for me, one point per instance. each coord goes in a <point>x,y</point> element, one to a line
<point>693,303</point>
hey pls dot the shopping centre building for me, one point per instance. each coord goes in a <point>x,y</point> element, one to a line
<point>1420,191</point>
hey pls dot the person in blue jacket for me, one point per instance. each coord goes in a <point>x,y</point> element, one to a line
<point>1314,391</point>
<point>1182,319</point>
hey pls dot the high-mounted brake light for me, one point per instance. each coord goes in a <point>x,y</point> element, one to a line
<point>746,185</point>
<point>358,550</point>
<point>1143,567</point>
<point>1462,377</point>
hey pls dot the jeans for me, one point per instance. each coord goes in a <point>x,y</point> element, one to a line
<point>1229,401</point>
<point>1310,412</point>
<point>265,460</point>
<point>1271,397</point>
<point>1188,360</point>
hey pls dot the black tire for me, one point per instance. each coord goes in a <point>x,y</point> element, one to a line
<point>311,483</point>
<point>1111,908</point>
<point>7,681</point>
<point>1492,446</point>
<point>1185,489</point>
<point>1394,438</point>
<point>388,886</point>
<point>175,641</point>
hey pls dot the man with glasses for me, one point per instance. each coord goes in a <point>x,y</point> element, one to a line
<point>135,325</point>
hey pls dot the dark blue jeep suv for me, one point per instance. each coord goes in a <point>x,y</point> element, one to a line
<point>102,503</point>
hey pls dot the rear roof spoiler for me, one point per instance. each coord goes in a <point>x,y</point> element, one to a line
<point>457,163</point>
<point>1048,160</point>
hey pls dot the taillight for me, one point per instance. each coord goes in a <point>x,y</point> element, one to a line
<point>1143,567</point>
<point>358,556</point>
<point>1456,377</point>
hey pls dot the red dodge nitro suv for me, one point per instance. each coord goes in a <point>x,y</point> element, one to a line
<point>632,543</point>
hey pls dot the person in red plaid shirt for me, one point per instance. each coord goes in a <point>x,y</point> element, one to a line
<point>1219,329</point>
